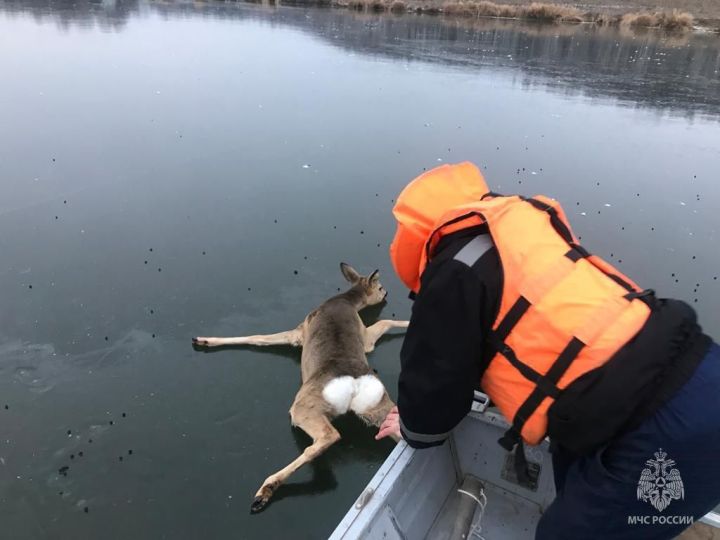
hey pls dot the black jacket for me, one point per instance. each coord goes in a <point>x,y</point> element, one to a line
<point>443,358</point>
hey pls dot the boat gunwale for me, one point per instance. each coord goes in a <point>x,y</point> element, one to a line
<point>369,503</point>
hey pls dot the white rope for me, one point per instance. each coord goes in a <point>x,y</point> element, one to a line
<point>476,527</point>
<point>472,496</point>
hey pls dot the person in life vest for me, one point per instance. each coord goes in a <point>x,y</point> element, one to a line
<point>506,300</point>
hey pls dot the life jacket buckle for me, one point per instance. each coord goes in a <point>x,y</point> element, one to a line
<point>647,296</point>
<point>640,294</point>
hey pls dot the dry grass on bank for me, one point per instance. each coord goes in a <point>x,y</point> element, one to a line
<point>535,11</point>
<point>674,20</point>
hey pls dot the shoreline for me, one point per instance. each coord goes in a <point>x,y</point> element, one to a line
<point>632,15</point>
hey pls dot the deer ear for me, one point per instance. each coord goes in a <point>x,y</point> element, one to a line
<point>374,276</point>
<point>350,273</point>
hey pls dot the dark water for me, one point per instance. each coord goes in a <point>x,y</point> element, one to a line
<point>171,170</point>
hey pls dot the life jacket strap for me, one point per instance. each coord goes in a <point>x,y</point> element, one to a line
<point>545,387</point>
<point>548,381</point>
<point>511,439</point>
<point>526,371</point>
<point>497,343</point>
<point>521,465</point>
<point>512,317</point>
<point>577,252</point>
<point>431,242</point>
<point>560,227</point>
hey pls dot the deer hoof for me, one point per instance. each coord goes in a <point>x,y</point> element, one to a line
<point>262,497</point>
<point>258,504</point>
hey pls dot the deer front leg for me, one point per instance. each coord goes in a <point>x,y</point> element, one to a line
<point>373,333</point>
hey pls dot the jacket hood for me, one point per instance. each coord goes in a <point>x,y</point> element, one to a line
<point>419,208</point>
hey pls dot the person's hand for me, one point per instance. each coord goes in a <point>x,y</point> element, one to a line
<point>390,426</point>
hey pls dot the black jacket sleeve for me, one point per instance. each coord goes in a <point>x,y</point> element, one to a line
<point>441,355</point>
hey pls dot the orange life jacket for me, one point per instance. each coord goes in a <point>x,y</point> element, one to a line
<point>563,312</point>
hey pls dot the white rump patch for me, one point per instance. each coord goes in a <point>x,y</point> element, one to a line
<point>339,393</point>
<point>359,395</point>
<point>368,393</point>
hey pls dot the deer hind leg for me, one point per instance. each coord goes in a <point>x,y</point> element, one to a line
<point>376,415</point>
<point>373,333</point>
<point>312,420</point>
<point>291,337</point>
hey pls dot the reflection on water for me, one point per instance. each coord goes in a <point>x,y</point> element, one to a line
<point>678,73</point>
<point>108,15</point>
<point>177,169</point>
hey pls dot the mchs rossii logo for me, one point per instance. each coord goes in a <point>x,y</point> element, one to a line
<point>660,484</point>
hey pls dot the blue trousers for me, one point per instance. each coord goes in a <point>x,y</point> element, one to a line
<point>600,496</point>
